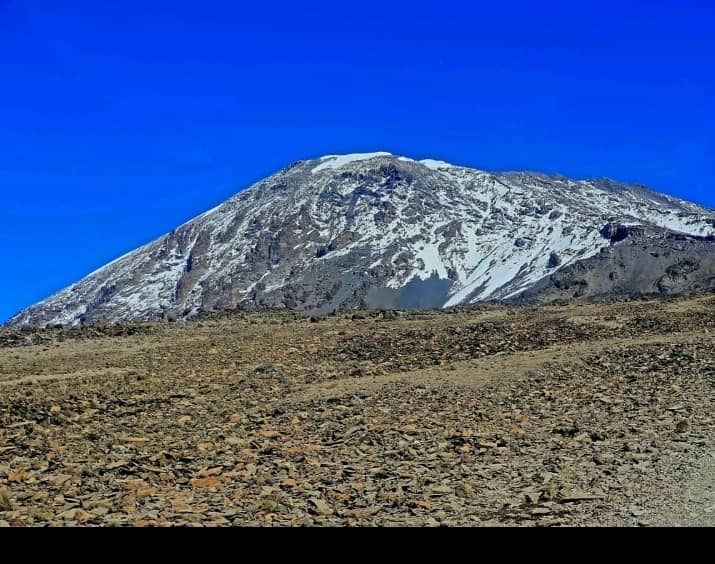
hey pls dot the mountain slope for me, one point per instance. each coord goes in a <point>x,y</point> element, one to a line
<point>641,261</point>
<point>368,230</point>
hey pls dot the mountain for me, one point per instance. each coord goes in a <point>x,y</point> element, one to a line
<point>376,230</point>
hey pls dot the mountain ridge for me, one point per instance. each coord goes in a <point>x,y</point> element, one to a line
<point>368,230</point>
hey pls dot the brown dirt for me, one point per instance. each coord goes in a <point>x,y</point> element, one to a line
<point>573,415</point>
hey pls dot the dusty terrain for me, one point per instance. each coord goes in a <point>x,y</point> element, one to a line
<point>569,415</point>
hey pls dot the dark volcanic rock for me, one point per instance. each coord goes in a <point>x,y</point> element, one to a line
<point>639,262</point>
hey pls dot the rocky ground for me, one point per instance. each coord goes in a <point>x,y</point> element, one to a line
<point>568,415</point>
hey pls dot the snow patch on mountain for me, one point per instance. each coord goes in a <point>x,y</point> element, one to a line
<point>429,163</point>
<point>334,162</point>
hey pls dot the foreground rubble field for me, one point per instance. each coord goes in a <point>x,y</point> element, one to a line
<point>570,415</point>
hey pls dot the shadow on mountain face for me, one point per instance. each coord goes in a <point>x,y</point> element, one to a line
<point>416,294</point>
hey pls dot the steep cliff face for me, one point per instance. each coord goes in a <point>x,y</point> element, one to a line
<point>369,230</point>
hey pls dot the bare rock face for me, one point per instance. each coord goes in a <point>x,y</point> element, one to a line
<point>641,261</point>
<point>375,230</point>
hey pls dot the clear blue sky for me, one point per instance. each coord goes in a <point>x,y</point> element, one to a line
<point>120,119</point>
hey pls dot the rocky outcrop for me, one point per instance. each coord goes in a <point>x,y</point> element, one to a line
<point>640,262</point>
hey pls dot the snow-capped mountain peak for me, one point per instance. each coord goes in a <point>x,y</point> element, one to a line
<point>334,162</point>
<point>372,230</point>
